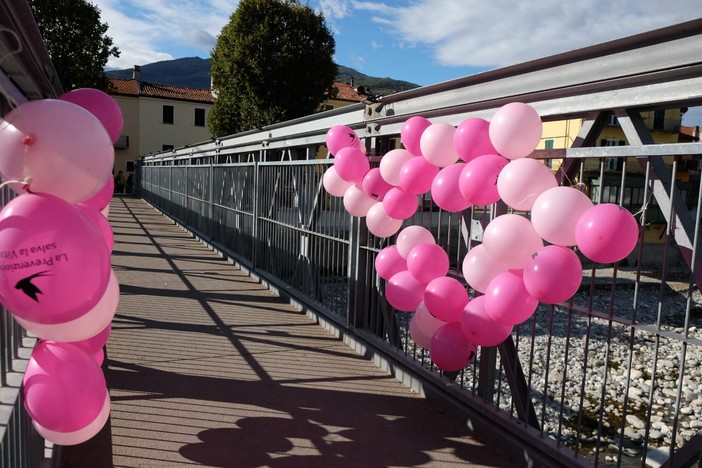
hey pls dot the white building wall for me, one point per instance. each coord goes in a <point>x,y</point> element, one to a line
<point>153,133</point>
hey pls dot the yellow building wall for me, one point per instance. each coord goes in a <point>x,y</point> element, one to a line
<point>154,133</point>
<point>130,115</point>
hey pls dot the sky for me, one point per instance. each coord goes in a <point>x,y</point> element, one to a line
<point>420,41</point>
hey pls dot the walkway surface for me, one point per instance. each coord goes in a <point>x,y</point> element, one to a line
<point>206,367</point>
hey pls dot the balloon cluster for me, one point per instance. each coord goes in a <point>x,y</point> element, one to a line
<point>56,277</point>
<point>526,256</point>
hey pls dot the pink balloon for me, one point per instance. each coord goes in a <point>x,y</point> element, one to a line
<point>606,233</point>
<point>101,199</point>
<point>472,139</point>
<point>553,275</point>
<point>521,181</point>
<point>81,435</point>
<point>423,325</point>
<point>479,268</point>
<point>479,327</point>
<point>427,261</point>
<point>507,300</point>
<point>556,212</point>
<point>95,343</point>
<point>404,292</point>
<point>341,136</point>
<point>64,389</point>
<point>356,202</point>
<point>437,144</point>
<point>515,130</point>
<point>100,222</point>
<point>416,175</point>
<point>511,240</point>
<point>333,184</point>
<point>411,236</point>
<point>84,327</point>
<point>411,134</point>
<point>381,224</point>
<point>63,149</point>
<point>102,106</point>
<point>478,180</point>
<point>351,164</point>
<point>450,349</point>
<point>374,185</point>
<point>389,262</point>
<point>400,204</point>
<point>445,298</point>
<point>54,263</point>
<point>445,191</point>
<point>391,164</point>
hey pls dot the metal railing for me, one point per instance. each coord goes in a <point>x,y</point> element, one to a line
<point>612,376</point>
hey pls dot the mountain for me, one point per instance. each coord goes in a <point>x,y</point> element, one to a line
<point>194,72</point>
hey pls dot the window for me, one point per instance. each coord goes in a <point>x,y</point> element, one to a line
<point>168,114</point>
<point>548,144</point>
<point>130,166</point>
<point>199,117</point>
<point>166,147</point>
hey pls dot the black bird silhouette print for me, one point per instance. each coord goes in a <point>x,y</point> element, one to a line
<point>28,287</point>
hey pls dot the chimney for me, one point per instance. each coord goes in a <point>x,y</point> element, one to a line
<point>136,73</point>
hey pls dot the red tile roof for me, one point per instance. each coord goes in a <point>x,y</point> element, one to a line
<point>347,93</point>
<point>130,87</point>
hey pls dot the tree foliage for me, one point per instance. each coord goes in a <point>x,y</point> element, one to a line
<point>272,62</point>
<point>76,41</point>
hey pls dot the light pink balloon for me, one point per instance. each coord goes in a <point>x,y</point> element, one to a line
<point>381,224</point>
<point>423,325</point>
<point>511,240</point>
<point>515,130</point>
<point>81,435</point>
<point>404,292</point>
<point>521,181</point>
<point>437,144</point>
<point>60,146</point>
<point>445,298</point>
<point>102,106</point>
<point>64,389</point>
<point>391,164</point>
<point>400,204</point>
<point>478,180</point>
<point>95,343</point>
<point>606,233</point>
<point>553,275</point>
<point>101,199</point>
<point>374,185</point>
<point>507,300</point>
<point>445,189</point>
<point>334,184</point>
<point>479,327</point>
<point>54,265</point>
<point>479,268</point>
<point>411,134</point>
<point>351,164</point>
<point>388,262</point>
<point>556,212</point>
<point>341,136</point>
<point>472,139</point>
<point>100,222</point>
<point>450,349</point>
<point>84,327</point>
<point>411,236</point>
<point>356,202</point>
<point>416,175</point>
<point>427,262</point>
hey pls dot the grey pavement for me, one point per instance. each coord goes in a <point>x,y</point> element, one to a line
<point>207,367</point>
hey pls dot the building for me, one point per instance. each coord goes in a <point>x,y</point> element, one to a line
<point>158,118</point>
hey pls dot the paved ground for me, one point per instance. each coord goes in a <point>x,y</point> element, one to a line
<point>208,368</point>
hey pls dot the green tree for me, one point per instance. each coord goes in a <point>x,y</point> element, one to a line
<point>76,41</point>
<point>272,62</point>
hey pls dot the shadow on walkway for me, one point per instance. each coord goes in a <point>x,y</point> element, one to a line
<point>206,367</point>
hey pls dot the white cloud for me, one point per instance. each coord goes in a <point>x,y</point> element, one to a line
<point>145,32</point>
<point>502,32</point>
